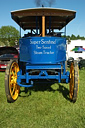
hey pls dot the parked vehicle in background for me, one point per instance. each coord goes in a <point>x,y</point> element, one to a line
<point>81,63</point>
<point>79,58</point>
<point>6,54</point>
<point>17,47</point>
<point>70,59</point>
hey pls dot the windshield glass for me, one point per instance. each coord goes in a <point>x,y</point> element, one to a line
<point>8,50</point>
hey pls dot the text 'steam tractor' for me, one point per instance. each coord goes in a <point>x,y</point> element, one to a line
<point>42,51</point>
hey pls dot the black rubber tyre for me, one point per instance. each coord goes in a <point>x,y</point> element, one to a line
<point>74,81</point>
<point>11,87</point>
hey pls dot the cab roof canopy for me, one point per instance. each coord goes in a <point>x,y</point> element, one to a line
<point>59,18</point>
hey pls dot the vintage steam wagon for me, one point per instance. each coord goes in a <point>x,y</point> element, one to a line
<point>42,51</point>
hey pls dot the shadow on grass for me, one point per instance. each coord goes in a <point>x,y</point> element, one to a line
<point>46,86</point>
<point>26,91</point>
<point>64,91</point>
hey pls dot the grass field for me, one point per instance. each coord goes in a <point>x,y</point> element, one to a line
<point>45,107</point>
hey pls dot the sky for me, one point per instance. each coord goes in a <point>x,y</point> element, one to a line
<point>76,26</point>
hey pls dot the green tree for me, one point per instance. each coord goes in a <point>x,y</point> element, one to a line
<point>78,37</point>
<point>8,35</point>
<point>73,37</point>
<point>82,38</point>
<point>2,44</point>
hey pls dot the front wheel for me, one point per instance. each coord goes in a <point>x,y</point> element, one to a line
<point>74,81</point>
<point>11,87</point>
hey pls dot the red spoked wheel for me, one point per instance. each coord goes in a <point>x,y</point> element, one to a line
<point>74,81</point>
<point>11,87</point>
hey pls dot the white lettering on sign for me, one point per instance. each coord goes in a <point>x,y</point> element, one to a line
<point>36,52</point>
<point>44,52</point>
<point>43,41</point>
<point>43,46</point>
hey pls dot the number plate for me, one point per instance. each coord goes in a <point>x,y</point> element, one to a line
<point>3,66</point>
